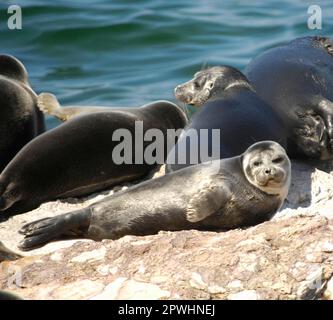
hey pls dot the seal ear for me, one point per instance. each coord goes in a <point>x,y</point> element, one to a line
<point>13,68</point>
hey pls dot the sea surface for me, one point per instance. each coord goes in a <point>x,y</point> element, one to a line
<point>131,52</point>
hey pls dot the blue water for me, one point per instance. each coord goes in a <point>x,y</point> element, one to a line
<point>127,53</point>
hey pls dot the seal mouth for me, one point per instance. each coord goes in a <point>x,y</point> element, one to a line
<point>268,181</point>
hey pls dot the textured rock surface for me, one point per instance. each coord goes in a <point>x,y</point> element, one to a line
<point>284,259</point>
<point>290,257</point>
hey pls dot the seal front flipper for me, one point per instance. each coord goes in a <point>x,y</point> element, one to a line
<point>40,232</point>
<point>207,201</point>
<point>310,135</point>
<point>325,110</point>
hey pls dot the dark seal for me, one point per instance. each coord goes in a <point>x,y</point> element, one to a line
<point>20,119</point>
<point>296,79</point>
<point>6,295</point>
<point>229,107</point>
<point>6,254</point>
<point>77,158</point>
<point>230,193</point>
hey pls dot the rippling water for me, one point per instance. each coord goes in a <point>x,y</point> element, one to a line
<point>130,52</point>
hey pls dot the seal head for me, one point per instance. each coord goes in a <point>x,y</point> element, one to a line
<point>267,166</point>
<point>209,84</point>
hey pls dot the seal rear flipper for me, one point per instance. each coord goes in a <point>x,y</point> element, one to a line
<point>207,201</point>
<point>48,103</point>
<point>42,231</point>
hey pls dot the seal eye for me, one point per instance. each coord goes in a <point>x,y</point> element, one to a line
<point>257,163</point>
<point>210,84</point>
<point>277,160</point>
<point>196,85</point>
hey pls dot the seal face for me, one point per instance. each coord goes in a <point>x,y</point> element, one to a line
<point>222,194</point>
<point>20,119</point>
<point>296,79</point>
<point>267,167</point>
<point>231,118</point>
<point>77,157</point>
<point>210,84</point>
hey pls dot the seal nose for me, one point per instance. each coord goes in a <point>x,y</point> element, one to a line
<point>177,90</point>
<point>178,93</point>
<point>269,171</point>
<point>182,95</point>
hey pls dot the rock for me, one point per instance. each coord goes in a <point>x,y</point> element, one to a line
<point>289,257</point>
<point>311,192</point>
<point>244,295</point>
<point>186,265</point>
<point>124,289</point>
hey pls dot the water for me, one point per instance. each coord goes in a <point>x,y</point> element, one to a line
<point>127,52</point>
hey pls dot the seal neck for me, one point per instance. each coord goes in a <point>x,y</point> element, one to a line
<point>239,84</point>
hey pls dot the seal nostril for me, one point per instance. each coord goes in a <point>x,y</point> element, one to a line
<point>268,171</point>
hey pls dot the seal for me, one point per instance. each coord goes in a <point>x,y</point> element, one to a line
<point>6,295</point>
<point>6,254</point>
<point>20,119</point>
<point>77,157</point>
<point>230,107</point>
<point>218,195</point>
<point>296,79</point>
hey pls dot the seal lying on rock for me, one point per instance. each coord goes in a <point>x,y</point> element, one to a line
<point>230,105</point>
<point>296,79</point>
<point>222,194</point>
<point>6,254</point>
<point>6,295</point>
<point>20,119</point>
<point>77,158</point>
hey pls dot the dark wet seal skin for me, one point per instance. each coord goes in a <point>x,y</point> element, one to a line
<point>219,195</point>
<point>76,158</point>
<point>296,79</point>
<point>20,119</point>
<point>6,254</point>
<point>6,295</point>
<point>226,101</point>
